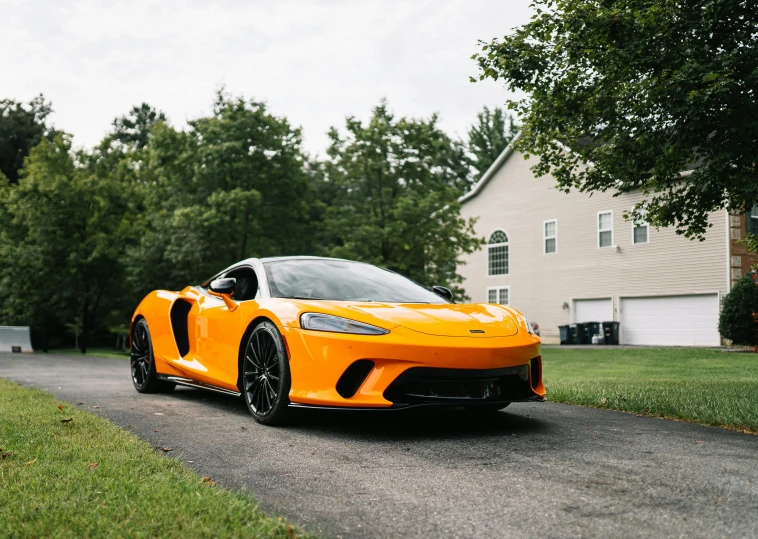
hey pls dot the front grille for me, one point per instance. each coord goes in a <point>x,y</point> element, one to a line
<point>427,385</point>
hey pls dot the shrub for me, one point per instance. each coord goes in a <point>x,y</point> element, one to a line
<point>738,313</point>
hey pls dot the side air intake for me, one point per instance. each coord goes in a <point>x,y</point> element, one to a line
<point>353,377</point>
<point>179,312</point>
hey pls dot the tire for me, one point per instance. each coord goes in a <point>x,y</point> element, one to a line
<point>488,408</point>
<point>144,376</point>
<point>265,376</point>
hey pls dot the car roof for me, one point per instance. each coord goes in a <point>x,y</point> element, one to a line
<point>306,257</point>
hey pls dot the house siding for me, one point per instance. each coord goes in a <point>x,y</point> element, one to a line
<point>516,202</point>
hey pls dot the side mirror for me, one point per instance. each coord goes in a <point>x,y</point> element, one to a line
<point>443,292</point>
<point>224,288</point>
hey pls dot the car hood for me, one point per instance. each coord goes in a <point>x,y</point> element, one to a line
<point>486,320</point>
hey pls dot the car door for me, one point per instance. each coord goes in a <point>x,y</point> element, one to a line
<point>218,330</point>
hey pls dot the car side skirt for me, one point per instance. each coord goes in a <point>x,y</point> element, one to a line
<point>179,380</point>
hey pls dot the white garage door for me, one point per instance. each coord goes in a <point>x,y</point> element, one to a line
<point>593,310</point>
<point>671,320</point>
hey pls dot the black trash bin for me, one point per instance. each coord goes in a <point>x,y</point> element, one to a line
<point>565,334</point>
<point>591,329</point>
<point>578,334</point>
<point>611,332</point>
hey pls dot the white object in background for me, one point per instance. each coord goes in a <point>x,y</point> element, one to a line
<point>691,320</point>
<point>598,339</point>
<point>17,336</point>
<point>593,310</point>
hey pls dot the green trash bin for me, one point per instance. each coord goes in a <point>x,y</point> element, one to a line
<point>578,334</point>
<point>611,332</point>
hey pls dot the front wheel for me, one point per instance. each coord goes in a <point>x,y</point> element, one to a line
<point>266,376</point>
<point>144,376</point>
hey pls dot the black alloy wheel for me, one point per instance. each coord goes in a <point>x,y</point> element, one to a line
<point>144,376</point>
<point>266,376</point>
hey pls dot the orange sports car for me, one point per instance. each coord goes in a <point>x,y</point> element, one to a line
<point>293,332</point>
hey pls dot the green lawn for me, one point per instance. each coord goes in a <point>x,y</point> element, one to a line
<point>705,386</point>
<point>88,478</point>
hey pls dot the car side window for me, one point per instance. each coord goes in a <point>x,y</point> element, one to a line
<point>247,283</point>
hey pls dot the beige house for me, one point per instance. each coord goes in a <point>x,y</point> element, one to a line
<point>566,258</point>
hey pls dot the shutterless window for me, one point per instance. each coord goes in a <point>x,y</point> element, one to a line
<point>640,231</point>
<point>497,253</point>
<point>550,233</point>
<point>605,229</point>
<point>499,295</point>
<point>752,220</point>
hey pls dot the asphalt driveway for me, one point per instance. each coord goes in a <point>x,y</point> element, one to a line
<point>537,469</point>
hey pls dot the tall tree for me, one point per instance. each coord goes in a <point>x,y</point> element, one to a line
<point>133,129</point>
<point>62,242</point>
<point>394,199</point>
<point>232,186</point>
<point>488,138</point>
<point>22,126</point>
<point>640,90</point>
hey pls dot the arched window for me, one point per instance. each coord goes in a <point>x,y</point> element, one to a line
<point>497,253</point>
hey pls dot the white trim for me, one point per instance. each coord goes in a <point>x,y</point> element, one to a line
<point>487,176</point>
<point>497,293</point>
<point>507,243</point>
<point>598,230</point>
<point>545,237</point>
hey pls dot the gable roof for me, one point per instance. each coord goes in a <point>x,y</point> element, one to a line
<point>490,172</point>
<point>505,154</point>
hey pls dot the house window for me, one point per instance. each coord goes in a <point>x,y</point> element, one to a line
<point>497,253</point>
<point>751,220</point>
<point>500,295</point>
<point>640,230</point>
<point>605,229</point>
<point>550,234</point>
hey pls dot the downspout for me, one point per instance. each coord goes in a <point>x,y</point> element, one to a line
<point>728,262</point>
<point>728,252</point>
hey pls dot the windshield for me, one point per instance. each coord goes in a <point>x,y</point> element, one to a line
<point>342,280</point>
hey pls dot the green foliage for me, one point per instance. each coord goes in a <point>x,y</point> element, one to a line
<point>21,128</point>
<point>488,138</point>
<point>737,321</point>
<point>63,241</point>
<point>86,234</point>
<point>393,198</point>
<point>641,90</point>
<point>89,478</point>
<point>230,187</point>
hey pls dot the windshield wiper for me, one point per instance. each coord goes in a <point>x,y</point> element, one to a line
<point>300,297</point>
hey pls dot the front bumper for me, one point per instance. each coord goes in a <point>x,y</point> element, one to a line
<point>407,368</point>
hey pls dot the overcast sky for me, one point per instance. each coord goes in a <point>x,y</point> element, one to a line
<point>313,62</point>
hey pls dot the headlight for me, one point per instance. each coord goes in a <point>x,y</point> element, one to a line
<point>337,324</point>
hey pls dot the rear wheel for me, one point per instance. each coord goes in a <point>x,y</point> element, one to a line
<point>266,376</point>
<point>144,376</point>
